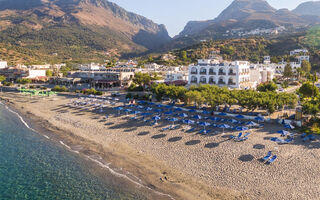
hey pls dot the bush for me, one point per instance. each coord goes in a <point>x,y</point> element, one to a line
<point>24,81</point>
<point>31,87</point>
<point>134,88</point>
<point>43,88</point>
<point>5,83</point>
<point>265,87</point>
<point>91,91</point>
<point>57,88</point>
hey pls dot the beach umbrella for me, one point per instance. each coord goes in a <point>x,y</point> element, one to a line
<point>184,115</point>
<point>168,113</point>
<point>178,109</point>
<point>168,106</point>
<point>222,114</point>
<point>252,124</point>
<point>159,105</point>
<point>197,117</point>
<point>205,112</point>
<point>192,111</point>
<point>283,132</point>
<point>215,119</point>
<point>239,116</point>
<point>173,120</point>
<point>259,118</point>
<point>148,109</point>
<point>223,126</point>
<point>151,103</point>
<point>288,126</point>
<point>233,121</point>
<point>140,107</point>
<point>131,105</point>
<point>204,124</point>
<point>241,128</point>
<point>156,118</point>
<point>119,109</point>
<point>187,121</point>
<point>158,110</point>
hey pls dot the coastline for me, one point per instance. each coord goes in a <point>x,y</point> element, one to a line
<point>124,161</point>
<point>184,165</point>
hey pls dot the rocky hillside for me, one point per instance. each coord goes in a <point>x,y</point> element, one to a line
<point>245,18</point>
<point>308,8</point>
<point>74,29</point>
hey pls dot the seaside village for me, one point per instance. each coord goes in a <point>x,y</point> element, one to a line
<point>113,87</point>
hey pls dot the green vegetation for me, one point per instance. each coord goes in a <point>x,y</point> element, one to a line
<point>215,96</point>
<point>91,91</point>
<point>265,87</point>
<point>58,88</point>
<point>24,81</point>
<point>2,78</point>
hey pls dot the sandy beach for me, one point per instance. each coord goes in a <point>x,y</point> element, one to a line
<point>184,165</point>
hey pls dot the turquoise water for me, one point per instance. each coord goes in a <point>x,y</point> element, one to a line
<point>33,167</point>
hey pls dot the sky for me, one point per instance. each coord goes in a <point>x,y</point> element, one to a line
<point>175,14</point>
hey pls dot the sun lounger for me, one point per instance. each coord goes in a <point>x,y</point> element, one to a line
<point>267,157</point>
<point>303,135</point>
<point>272,159</point>
<point>236,137</point>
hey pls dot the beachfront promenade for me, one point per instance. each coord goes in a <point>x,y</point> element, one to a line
<point>194,143</point>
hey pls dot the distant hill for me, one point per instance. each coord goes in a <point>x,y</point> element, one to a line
<point>308,8</point>
<point>245,18</point>
<point>75,29</point>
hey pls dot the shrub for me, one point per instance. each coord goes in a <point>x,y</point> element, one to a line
<point>57,88</point>
<point>23,81</point>
<point>91,91</point>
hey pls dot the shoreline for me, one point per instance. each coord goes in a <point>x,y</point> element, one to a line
<point>182,164</point>
<point>142,169</point>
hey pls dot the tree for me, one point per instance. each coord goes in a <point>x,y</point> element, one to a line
<point>264,87</point>
<point>142,79</point>
<point>183,55</point>
<point>306,66</point>
<point>288,71</point>
<point>49,73</point>
<point>2,78</point>
<point>310,108</point>
<point>308,90</point>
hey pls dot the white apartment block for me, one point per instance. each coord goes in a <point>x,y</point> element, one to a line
<point>298,51</point>
<point>3,64</point>
<point>230,74</point>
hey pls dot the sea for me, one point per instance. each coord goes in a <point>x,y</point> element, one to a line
<point>34,166</point>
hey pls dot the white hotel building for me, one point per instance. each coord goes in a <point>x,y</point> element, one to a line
<point>224,74</point>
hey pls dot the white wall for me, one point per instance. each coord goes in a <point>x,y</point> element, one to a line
<point>3,64</point>
<point>36,73</point>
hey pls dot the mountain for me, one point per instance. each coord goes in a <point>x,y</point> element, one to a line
<point>74,29</point>
<point>308,8</point>
<point>244,18</point>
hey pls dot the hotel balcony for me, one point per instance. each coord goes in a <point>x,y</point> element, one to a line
<point>232,74</point>
<point>212,82</point>
<point>231,83</point>
<point>212,73</point>
<point>222,73</point>
<point>193,82</point>
<point>203,73</point>
<point>221,83</point>
<point>194,72</point>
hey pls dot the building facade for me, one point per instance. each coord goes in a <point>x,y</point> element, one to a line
<point>224,74</point>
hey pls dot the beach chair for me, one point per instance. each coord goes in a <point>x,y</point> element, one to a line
<point>272,159</point>
<point>303,135</point>
<point>267,157</point>
<point>236,137</point>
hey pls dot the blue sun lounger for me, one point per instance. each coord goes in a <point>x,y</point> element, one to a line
<point>236,137</point>
<point>204,132</point>
<point>268,156</point>
<point>272,159</point>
